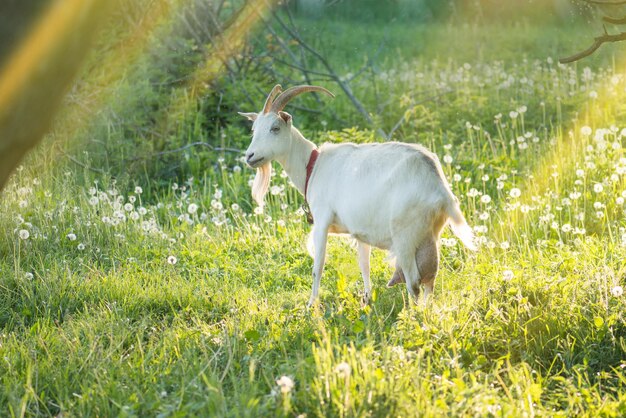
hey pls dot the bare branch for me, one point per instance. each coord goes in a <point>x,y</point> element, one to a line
<point>598,41</point>
<point>615,20</point>
<point>85,166</point>
<point>197,144</point>
<point>606,2</point>
<point>342,84</point>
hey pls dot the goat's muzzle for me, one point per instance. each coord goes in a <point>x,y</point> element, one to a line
<point>254,162</point>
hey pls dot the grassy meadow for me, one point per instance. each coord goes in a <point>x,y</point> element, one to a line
<point>127,293</point>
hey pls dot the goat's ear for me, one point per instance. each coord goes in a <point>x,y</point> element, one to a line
<point>251,116</point>
<point>285,116</point>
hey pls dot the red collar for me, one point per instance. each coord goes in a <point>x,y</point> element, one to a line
<point>309,169</point>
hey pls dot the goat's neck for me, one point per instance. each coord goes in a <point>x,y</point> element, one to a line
<point>295,160</point>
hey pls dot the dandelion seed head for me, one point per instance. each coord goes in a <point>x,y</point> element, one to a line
<point>343,369</point>
<point>285,383</point>
<point>192,208</point>
<point>617,291</point>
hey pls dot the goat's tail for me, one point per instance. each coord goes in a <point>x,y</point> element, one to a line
<point>459,226</point>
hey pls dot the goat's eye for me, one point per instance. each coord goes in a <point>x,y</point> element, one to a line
<point>275,129</point>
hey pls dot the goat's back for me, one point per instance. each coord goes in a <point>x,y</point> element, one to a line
<point>371,187</point>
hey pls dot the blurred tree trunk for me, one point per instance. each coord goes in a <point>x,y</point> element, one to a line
<point>40,69</point>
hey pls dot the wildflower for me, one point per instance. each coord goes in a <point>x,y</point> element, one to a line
<point>128,207</point>
<point>598,188</point>
<point>485,198</point>
<point>505,245</point>
<point>28,276</point>
<point>258,210</point>
<point>93,201</point>
<point>343,369</point>
<point>138,190</point>
<point>617,291</point>
<point>513,114</point>
<point>234,207</point>
<point>80,246</point>
<point>24,234</point>
<point>172,260</point>
<point>585,131</point>
<point>507,275</point>
<point>566,228</point>
<point>473,192</point>
<point>515,193</point>
<point>192,208</point>
<point>286,384</point>
<point>142,211</point>
<point>447,159</point>
<point>218,194</point>
<point>71,237</point>
<point>132,199</point>
<point>237,169</point>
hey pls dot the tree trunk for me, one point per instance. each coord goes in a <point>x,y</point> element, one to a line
<point>39,72</point>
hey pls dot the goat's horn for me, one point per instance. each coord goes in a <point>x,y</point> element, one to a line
<point>284,98</point>
<point>270,98</point>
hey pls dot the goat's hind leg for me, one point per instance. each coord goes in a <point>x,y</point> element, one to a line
<point>427,258</point>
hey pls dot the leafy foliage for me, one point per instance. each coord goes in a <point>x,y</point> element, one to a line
<point>171,295</point>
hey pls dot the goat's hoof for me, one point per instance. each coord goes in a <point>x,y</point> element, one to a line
<point>365,300</point>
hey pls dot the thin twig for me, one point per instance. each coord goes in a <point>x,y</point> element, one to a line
<point>197,144</point>
<point>75,161</point>
<point>342,84</point>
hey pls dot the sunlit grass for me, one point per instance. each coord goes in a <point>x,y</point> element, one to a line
<point>127,298</point>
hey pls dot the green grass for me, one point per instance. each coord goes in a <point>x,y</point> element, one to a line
<point>181,300</point>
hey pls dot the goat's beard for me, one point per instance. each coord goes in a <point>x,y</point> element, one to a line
<point>261,183</point>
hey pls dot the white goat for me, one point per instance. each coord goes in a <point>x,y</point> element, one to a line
<point>393,195</point>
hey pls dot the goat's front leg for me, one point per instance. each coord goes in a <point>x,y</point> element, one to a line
<point>320,236</point>
<point>364,264</point>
